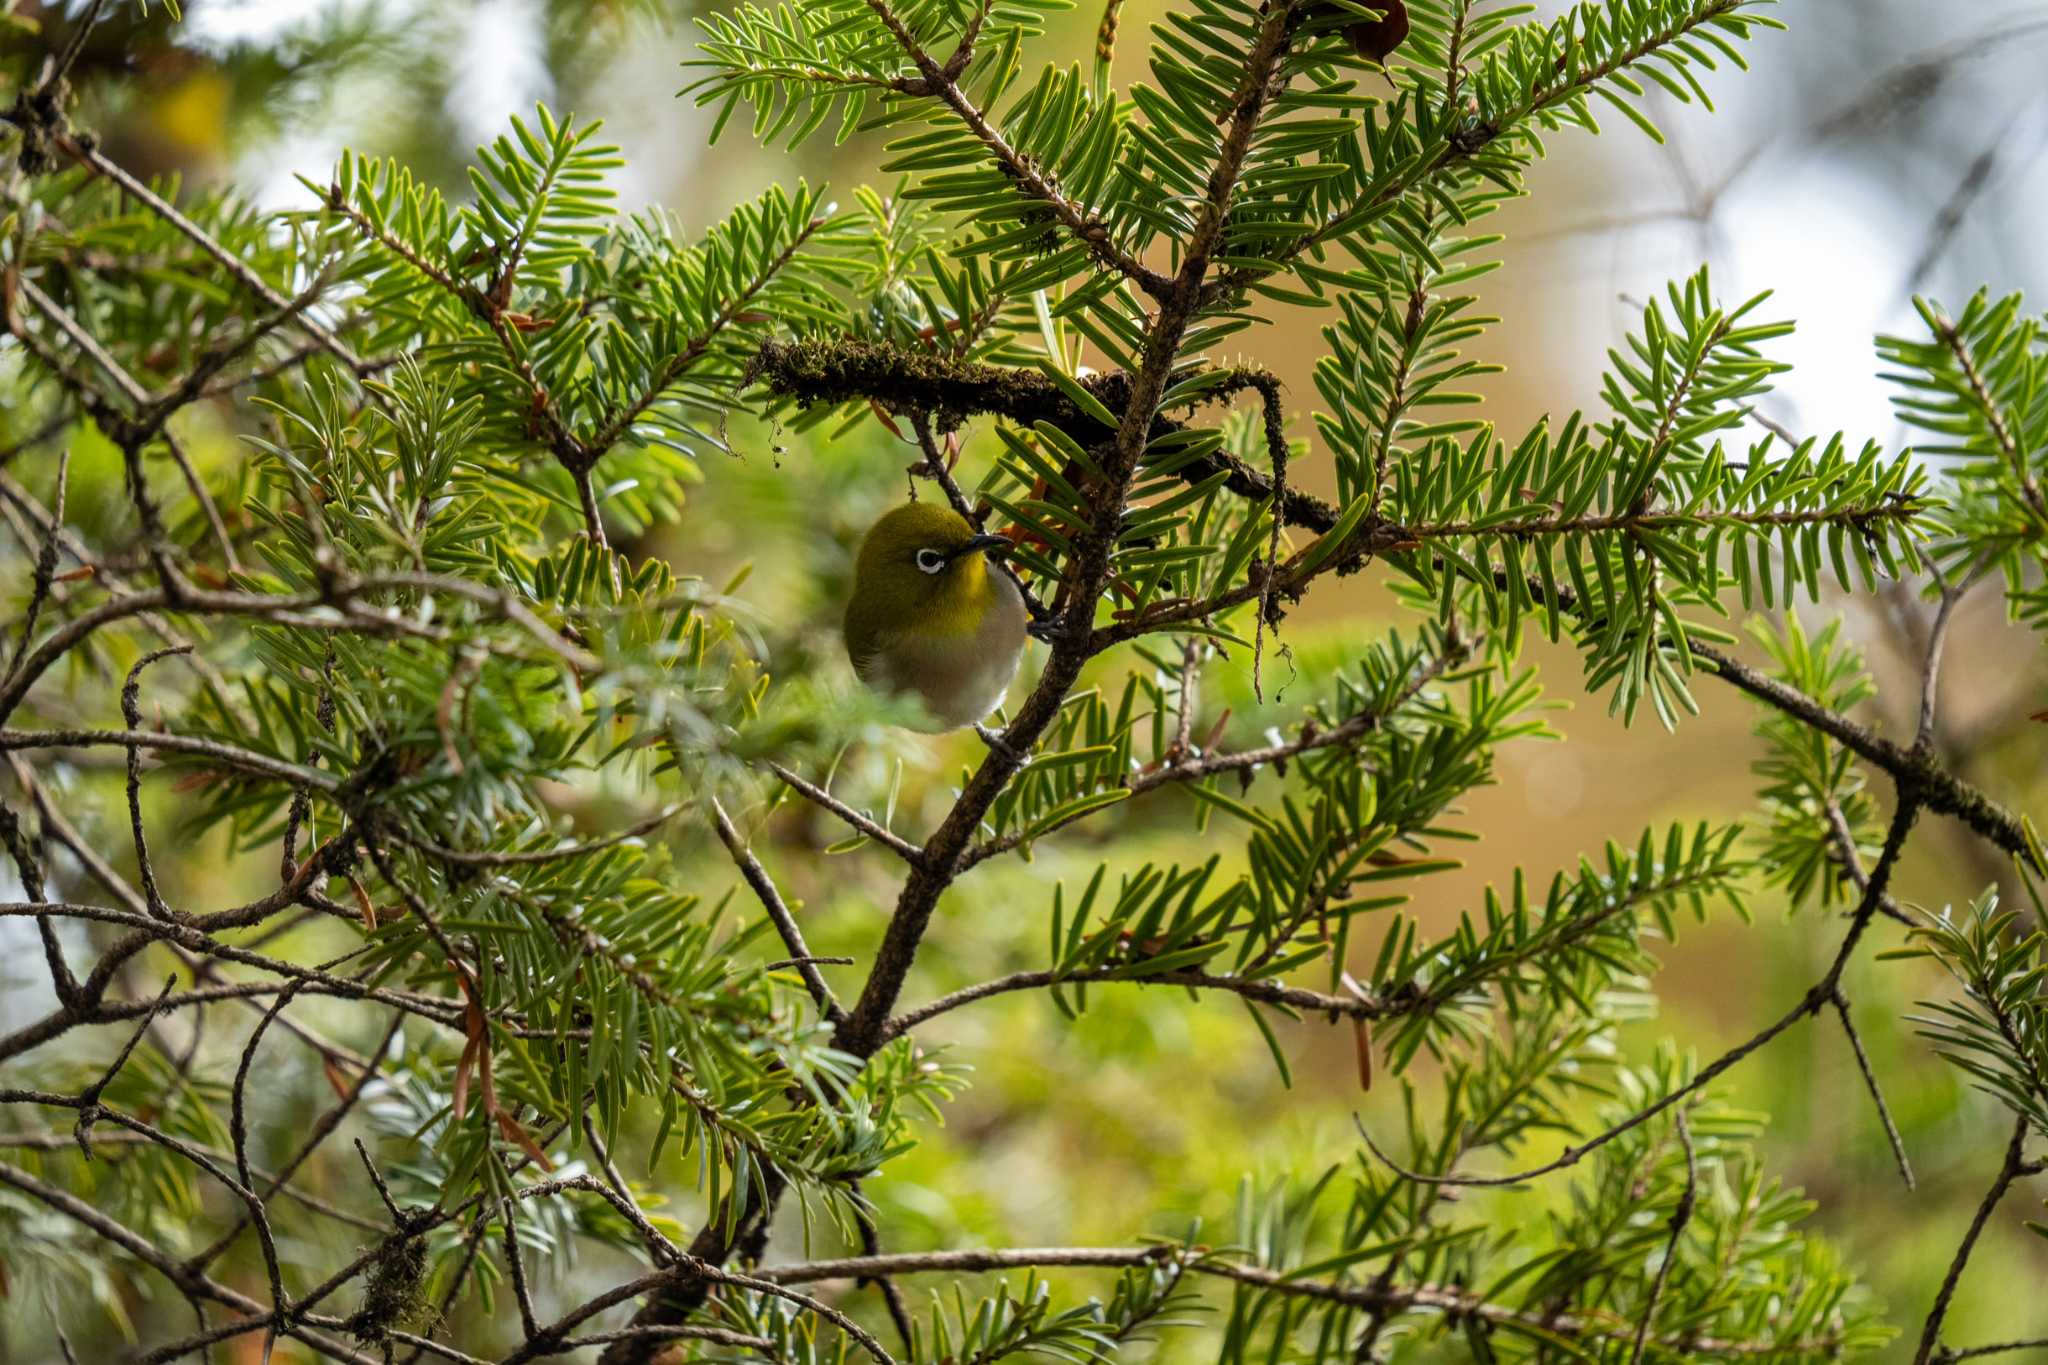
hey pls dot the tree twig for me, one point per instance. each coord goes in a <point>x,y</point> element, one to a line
<point>2014,1166</point>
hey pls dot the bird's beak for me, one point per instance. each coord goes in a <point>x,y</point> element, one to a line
<point>995,547</point>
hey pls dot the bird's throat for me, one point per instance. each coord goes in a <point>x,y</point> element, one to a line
<point>963,600</point>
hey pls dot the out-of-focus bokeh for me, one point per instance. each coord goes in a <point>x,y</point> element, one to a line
<point>1877,149</point>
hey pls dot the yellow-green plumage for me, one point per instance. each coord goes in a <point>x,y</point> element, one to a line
<point>930,618</point>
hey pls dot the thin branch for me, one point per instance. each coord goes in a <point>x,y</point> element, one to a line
<point>1263,990</point>
<point>1939,790</point>
<point>191,1284</point>
<point>53,76</point>
<point>1680,1217</point>
<point>88,1103</point>
<point>46,565</point>
<point>1884,1114</point>
<point>1188,766</point>
<point>1948,1354</point>
<point>1937,641</point>
<point>873,829</point>
<point>131,712</point>
<point>2014,1166</point>
<point>29,869</point>
<point>717,1336</point>
<point>89,346</point>
<point>683,1267</point>
<point>238,1123</point>
<point>886,1286</point>
<point>778,911</point>
<point>516,1265</point>
<point>1450,1301</point>
<point>226,755</point>
<point>1843,840</point>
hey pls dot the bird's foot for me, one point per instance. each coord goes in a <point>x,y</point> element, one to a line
<point>1000,745</point>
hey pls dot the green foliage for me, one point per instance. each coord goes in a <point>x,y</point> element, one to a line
<point>1976,383</point>
<point>423,676</point>
<point>1620,527</point>
<point>1575,1280</point>
<point>1821,812</point>
<point>1997,1033</point>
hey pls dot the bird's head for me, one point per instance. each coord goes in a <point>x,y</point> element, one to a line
<point>925,563</point>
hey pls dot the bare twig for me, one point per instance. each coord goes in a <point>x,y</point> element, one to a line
<point>46,565</point>
<point>88,1102</point>
<point>778,911</point>
<point>131,712</point>
<point>1263,990</point>
<point>236,268</point>
<point>2013,1167</point>
<point>515,1264</point>
<point>1884,1114</point>
<point>238,1126</point>
<point>1948,1354</point>
<point>873,829</point>
<point>1450,1300</point>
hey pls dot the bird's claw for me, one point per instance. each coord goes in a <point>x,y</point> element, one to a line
<point>1000,745</point>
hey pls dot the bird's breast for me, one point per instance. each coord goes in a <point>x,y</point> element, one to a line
<point>960,675</point>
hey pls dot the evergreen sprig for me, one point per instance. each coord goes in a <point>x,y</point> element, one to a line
<point>390,643</point>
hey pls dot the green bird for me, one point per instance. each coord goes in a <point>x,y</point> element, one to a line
<point>931,617</point>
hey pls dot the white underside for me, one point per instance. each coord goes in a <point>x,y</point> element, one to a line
<point>960,678</point>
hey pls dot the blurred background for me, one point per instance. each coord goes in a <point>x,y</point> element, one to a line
<point>1878,149</point>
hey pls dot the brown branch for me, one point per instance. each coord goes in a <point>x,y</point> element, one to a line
<point>1884,1113</point>
<point>873,829</point>
<point>1843,841</point>
<point>1997,1348</point>
<point>1262,990</point>
<point>46,565</point>
<point>131,712</point>
<point>682,1267</point>
<point>2014,1166</point>
<point>1937,789</point>
<point>225,755</point>
<point>778,912</point>
<point>1680,1217</point>
<point>1450,1301</point>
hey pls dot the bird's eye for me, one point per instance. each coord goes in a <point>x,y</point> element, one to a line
<point>931,561</point>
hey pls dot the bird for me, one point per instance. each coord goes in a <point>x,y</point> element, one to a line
<point>931,617</point>
<point>1376,39</point>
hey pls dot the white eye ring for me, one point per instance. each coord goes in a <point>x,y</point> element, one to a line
<point>930,561</point>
